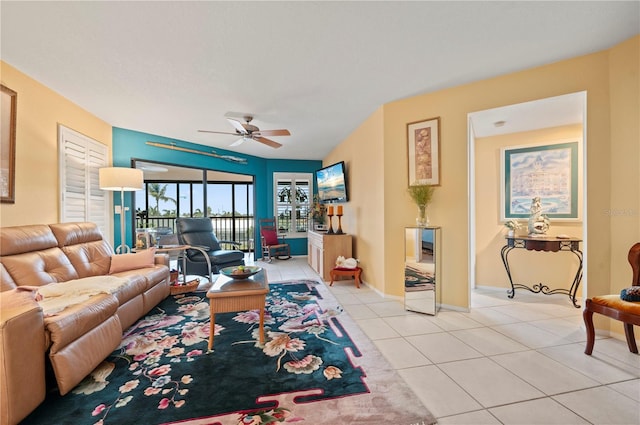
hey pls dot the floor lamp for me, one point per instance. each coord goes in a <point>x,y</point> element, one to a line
<point>124,180</point>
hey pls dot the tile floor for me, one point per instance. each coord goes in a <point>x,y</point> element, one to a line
<point>517,361</point>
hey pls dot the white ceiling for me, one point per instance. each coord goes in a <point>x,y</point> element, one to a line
<point>318,69</point>
<point>541,113</point>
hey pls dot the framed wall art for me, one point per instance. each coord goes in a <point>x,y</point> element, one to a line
<point>548,171</point>
<point>8,109</point>
<point>423,138</point>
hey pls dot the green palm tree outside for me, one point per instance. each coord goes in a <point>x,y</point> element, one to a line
<point>198,213</point>
<point>158,192</point>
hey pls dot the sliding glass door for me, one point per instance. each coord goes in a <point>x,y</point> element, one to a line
<point>172,191</point>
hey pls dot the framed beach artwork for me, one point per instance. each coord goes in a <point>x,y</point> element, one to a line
<point>548,171</point>
<point>8,145</point>
<point>423,138</point>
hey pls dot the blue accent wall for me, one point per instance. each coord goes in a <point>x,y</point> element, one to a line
<point>129,145</point>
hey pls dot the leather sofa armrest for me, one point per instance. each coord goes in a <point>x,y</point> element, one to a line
<point>22,355</point>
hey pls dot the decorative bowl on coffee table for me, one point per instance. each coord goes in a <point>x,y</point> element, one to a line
<point>240,272</point>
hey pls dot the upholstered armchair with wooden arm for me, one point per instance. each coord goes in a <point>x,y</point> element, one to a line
<point>613,306</point>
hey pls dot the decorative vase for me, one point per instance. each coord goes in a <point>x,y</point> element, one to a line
<point>423,219</point>
<point>511,233</point>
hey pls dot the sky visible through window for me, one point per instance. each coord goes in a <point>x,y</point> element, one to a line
<point>219,199</point>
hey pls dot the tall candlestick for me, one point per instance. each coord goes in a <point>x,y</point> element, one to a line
<point>339,231</point>
<point>330,214</point>
<point>339,209</point>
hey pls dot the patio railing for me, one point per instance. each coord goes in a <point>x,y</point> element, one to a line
<point>239,229</point>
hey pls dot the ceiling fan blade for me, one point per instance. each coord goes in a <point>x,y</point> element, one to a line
<point>266,141</point>
<point>282,132</point>
<point>237,142</point>
<point>237,125</point>
<point>217,132</point>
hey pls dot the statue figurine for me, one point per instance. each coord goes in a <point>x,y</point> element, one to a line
<point>538,222</point>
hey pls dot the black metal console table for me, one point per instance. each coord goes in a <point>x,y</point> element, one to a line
<point>547,244</point>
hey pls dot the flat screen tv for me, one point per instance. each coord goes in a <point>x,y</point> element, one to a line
<point>332,183</point>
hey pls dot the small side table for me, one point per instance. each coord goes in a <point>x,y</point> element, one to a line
<point>228,295</point>
<point>168,249</point>
<point>182,255</point>
<point>343,271</point>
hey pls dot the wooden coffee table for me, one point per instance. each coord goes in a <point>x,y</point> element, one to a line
<point>228,295</point>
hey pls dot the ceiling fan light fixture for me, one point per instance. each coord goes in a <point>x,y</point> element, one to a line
<point>248,132</point>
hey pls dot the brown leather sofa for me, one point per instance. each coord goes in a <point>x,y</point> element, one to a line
<point>75,340</point>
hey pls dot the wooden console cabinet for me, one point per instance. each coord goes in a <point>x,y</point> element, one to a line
<point>323,249</point>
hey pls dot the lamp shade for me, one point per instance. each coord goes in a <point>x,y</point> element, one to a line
<point>120,179</point>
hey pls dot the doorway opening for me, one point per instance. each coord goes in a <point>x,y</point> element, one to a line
<point>490,133</point>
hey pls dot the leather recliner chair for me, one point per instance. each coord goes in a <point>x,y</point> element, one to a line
<point>198,232</point>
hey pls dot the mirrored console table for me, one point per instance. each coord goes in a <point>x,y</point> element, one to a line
<point>546,244</point>
<point>422,285</point>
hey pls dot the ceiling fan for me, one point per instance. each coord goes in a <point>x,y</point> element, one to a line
<point>251,132</point>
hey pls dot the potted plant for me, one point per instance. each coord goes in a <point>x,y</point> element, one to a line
<point>421,195</point>
<point>512,225</point>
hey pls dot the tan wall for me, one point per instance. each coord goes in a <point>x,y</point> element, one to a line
<point>449,206</point>
<point>363,156</point>
<point>590,73</point>
<point>623,208</point>
<point>527,267</point>
<point>40,110</point>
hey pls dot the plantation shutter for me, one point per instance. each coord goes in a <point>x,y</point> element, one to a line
<point>80,196</point>
<point>292,202</point>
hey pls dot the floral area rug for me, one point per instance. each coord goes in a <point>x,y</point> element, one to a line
<point>316,367</point>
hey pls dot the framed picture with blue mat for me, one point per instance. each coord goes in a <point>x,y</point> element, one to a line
<point>549,171</point>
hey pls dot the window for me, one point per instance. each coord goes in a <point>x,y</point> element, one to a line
<point>229,206</point>
<point>80,196</point>
<point>292,202</point>
<point>184,200</point>
<point>220,199</point>
<point>162,199</point>
<point>231,209</point>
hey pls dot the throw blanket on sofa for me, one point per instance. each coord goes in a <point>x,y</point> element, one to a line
<point>55,297</point>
